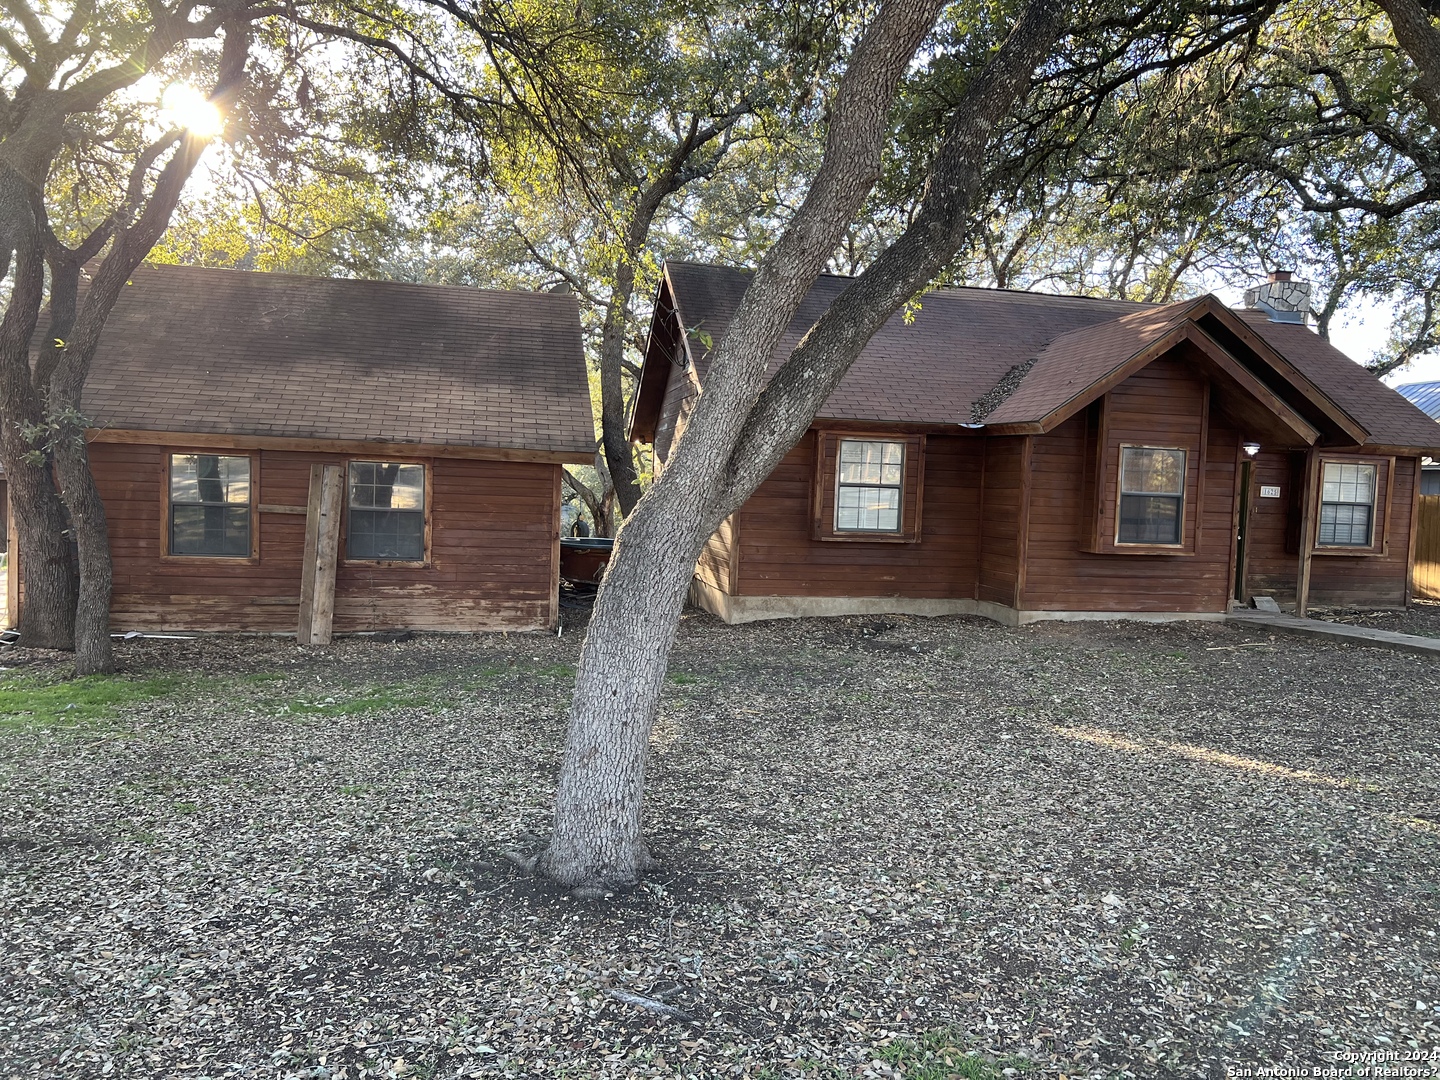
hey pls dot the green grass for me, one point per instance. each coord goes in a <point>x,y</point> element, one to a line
<point>679,678</point>
<point>28,702</point>
<point>940,1055</point>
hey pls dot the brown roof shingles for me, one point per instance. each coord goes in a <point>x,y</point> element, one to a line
<point>962,342</point>
<point>237,353</point>
<point>1077,360</point>
<point>929,370</point>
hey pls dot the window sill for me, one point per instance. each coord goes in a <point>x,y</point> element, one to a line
<point>228,560</point>
<point>398,564</point>
<point>1354,553</point>
<point>868,538</point>
<point>1143,549</point>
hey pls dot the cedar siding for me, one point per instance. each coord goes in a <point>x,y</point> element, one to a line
<point>1015,410</point>
<point>779,555</point>
<point>486,389</point>
<point>492,551</point>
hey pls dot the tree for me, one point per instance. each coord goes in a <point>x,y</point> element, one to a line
<point>742,425</point>
<point>676,105</point>
<point>71,141</point>
<point>1306,145</point>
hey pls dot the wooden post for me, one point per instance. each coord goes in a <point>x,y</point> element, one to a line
<point>322,551</point>
<point>12,565</point>
<point>1308,515</point>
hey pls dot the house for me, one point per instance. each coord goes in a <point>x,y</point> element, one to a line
<point>445,413</point>
<point>1027,456</point>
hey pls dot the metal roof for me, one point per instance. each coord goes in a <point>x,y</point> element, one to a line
<point>1425,396</point>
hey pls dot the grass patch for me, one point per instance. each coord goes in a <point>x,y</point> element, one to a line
<point>940,1055</point>
<point>32,703</point>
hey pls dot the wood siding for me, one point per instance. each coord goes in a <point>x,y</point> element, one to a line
<point>778,555</point>
<point>1273,565</point>
<point>1029,521</point>
<point>1060,576</point>
<point>997,575</point>
<point>1427,548</point>
<point>492,560</point>
<point>680,392</point>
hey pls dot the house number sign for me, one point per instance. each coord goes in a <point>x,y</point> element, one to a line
<point>1269,491</point>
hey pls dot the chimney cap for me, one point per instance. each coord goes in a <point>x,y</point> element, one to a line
<point>1281,275</point>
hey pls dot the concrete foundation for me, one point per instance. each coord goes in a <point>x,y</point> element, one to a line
<point>743,609</point>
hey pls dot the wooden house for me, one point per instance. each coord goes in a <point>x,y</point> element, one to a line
<point>1027,456</point>
<point>227,409</point>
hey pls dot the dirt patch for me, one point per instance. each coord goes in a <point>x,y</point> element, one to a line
<point>1071,849</point>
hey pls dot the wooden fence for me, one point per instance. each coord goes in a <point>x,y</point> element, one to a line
<point>1426,582</point>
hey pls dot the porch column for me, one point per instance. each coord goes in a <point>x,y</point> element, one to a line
<point>1307,534</point>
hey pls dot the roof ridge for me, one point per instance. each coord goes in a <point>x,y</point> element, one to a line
<point>320,278</point>
<point>980,289</point>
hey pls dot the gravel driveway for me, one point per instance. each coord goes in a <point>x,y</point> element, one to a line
<point>890,847</point>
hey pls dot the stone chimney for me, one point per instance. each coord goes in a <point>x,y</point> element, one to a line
<point>1282,298</point>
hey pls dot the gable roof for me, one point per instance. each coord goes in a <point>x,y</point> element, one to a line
<point>929,370</point>
<point>237,353</point>
<point>1020,359</point>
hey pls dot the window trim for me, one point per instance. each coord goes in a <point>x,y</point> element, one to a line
<point>825,485</point>
<point>1380,509</point>
<point>166,555</point>
<point>424,562</point>
<point>1127,547</point>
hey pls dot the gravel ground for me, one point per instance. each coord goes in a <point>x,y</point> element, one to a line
<point>1085,850</point>
<point>1422,617</point>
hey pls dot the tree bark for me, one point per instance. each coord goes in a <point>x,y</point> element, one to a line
<point>680,169</point>
<point>727,449</point>
<point>47,613</point>
<point>1417,34</point>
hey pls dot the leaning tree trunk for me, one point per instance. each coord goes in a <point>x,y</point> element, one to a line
<point>597,839</point>
<point>742,427</point>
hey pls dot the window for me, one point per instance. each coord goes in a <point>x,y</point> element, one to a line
<point>210,505</point>
<point>387,512</point>
<point>1347,505</point>
<point>1152,495</point>
<point>867,487</point>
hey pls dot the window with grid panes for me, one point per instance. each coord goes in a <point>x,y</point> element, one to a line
<point>1347,505</point>
<point>1152,495</point>
<point>386,512</point>
<point>868,480</point>
<point>210,505</point>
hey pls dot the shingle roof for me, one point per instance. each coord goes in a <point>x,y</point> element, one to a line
<point>230,352</point>
<point>958,344</point>
<point>956,350</point>
<point>1387,416</point>
<point>1074,361</point>
<point>1425,396</point>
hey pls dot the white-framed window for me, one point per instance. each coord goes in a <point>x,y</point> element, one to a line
<point>868,481</point>
<point>1152,496</point>
<point>386,507</point>
<point>210,505</point>
<point>1347,505</point>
